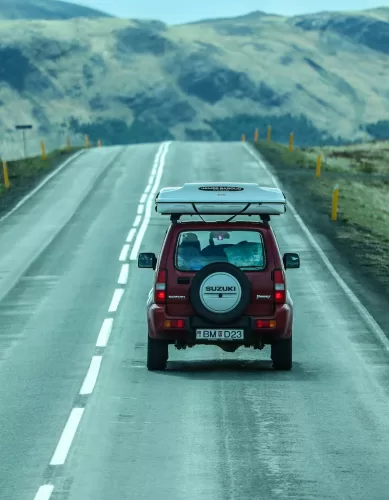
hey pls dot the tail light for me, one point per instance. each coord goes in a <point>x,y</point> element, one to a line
<point>160,287</point>
<point>264,323</point>
<point>279,286</point>
<point>174,323</point>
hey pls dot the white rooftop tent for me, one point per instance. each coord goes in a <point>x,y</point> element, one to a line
<point>220,198</point>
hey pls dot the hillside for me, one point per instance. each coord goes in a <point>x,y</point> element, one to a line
<point>45,10</point>
<point>325,76</point>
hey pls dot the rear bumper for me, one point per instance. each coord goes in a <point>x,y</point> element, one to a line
<point>252,334</point>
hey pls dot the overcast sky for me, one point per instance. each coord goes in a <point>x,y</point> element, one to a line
<point>179,11</point>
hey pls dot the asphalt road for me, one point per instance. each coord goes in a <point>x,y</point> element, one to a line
<point>214,426</point>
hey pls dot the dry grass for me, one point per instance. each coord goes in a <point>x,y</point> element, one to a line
<point>362,173</point>
<point>369,158</point>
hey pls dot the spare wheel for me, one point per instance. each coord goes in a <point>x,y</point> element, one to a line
<point>220,293</point>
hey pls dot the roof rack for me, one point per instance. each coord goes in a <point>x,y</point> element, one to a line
<point>227,198</point>
<point>265,219</point>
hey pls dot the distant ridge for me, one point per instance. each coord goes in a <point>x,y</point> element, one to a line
<point>45,10</point>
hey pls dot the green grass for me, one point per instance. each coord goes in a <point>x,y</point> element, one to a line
<point>22,170</point>
<point>362,173</point>
<point>26,173</point>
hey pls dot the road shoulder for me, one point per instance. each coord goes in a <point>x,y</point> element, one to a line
<point>354,263</point>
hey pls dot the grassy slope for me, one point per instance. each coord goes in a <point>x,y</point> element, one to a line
<point>361,232</point>
<point>25,174</point>
<point>182,69</point>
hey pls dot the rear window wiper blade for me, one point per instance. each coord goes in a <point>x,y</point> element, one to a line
<point>251,267</point>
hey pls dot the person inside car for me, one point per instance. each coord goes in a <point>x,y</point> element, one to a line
<point>189,254</point>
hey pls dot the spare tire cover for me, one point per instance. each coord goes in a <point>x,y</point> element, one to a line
<point>220,292</point>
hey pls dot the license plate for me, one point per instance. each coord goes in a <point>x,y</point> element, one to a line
<point>222,334</point>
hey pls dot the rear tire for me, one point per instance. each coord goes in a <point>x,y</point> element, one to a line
<point>157,354</point>
<point>281,354</point>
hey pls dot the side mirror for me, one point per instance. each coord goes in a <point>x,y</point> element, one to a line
<point>291,260</point>
<point>147,260</point>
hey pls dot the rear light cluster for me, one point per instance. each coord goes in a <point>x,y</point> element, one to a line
<point>173,323</point>
<point>279,286</point>
<point>160,287</point>
<point>264,323</point>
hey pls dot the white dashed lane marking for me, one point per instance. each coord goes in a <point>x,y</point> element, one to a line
<point>105,332</point>
<point>117,297</point>
<point>61,452</point>
<point>44,492</point>
<point>138,218</point>
<point>150,201</point>
<point>91,376</point>
<point>124,253</point>
<point>65,442</point>
<point>123,277</point>
<point>131,235</point>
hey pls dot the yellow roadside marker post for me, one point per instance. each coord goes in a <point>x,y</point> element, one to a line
<point>269,133</point>
<point>86,141</point>
<point>256,135</point>
<point>335,199</point>
<point>99,143</point>
<point>5,175</point>
<point>68,143</point>
<point>43,149</point>
<point>291,141</point>
<point>243,138</point>
<point>318,166</point>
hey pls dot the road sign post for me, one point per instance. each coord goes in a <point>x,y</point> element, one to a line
<point>23,128</point>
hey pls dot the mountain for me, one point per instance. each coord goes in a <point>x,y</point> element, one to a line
<point>45,9</point>
<point>324,76</point>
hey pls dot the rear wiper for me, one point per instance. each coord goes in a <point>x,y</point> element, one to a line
<point>254,268</point>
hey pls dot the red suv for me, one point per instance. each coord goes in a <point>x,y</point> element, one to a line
<point>220,282</point>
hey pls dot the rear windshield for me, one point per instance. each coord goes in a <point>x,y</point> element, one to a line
<point>196,249</point>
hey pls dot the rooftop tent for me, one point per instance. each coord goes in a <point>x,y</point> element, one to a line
<point>225,198</point>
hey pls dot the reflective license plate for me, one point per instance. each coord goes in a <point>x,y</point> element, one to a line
<point>222,334</point>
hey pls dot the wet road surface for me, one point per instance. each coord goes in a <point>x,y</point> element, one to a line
<point>81,417</point>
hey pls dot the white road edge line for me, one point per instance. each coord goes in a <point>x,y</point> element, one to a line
<point>123,276</point>
<point>91,376</point>
<point>44,492</point>
<point>105,332</point>
<point>150,200</point>
<point>143,198</point>
<point>117,296</point>
<point>350,294</point>
<point>43,183</point>
<point>141,207</point>
<point>67,437</point>
<point>131,235</point>
<point>124,253</point>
